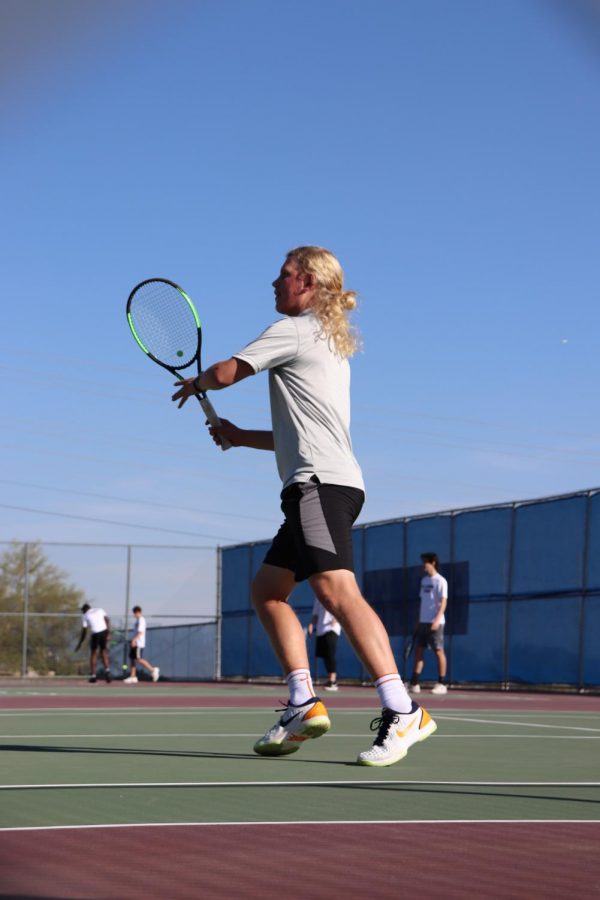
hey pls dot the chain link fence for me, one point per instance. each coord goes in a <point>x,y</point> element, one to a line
<point>43,585</point>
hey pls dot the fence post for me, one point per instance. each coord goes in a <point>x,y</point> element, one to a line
<point>507,610</point>
<point>124,664</point>
<point>25,608</point>
<point>217,672</point>
<point>584,587</point>
<point>450,618</point>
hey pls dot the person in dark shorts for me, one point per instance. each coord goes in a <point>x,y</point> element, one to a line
<point>137,643</point>
<point>306,355</point>
<point>430,628</point>
<point>95,619</point>
<point>327,630</point>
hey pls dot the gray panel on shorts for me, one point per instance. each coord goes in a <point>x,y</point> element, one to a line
<point>314,527</point>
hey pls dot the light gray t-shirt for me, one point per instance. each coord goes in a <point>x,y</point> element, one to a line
<point>309,386</point>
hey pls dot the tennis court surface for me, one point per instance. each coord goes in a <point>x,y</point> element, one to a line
<point>114,791</point>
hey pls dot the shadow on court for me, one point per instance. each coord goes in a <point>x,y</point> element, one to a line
<point>181,754</point>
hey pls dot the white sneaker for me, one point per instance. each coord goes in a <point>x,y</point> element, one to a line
<point>131,680</point>
<point>439,689</point>
<point>297,724</point>
<point>397,732</point>
<point>155,673</point>
<point>331,686</point>
<point>414,688</point>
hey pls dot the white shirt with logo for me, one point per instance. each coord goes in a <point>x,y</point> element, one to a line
<point>433,589</point>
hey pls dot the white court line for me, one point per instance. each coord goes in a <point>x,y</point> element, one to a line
<point>439,713</point>
<point>262,784</point>
<point>303,822</point>
<point>519,724</point>
<point>329,736</point>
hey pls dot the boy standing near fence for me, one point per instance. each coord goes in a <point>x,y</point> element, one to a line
<point>430,628</point>
<point>136,647</point>
<point>95,618</point>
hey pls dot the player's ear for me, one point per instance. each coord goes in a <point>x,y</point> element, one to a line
<point>309,281</point>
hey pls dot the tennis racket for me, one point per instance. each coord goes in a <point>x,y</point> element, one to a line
<point>165,324</point>
<point>409,645</point>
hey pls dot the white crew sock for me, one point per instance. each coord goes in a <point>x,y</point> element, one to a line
<point>301,686</point>
<point>392,693</point>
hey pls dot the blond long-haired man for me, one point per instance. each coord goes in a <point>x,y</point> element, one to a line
<point>306,354</point>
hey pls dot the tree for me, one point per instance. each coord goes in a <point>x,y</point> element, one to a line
<point>50,595</point>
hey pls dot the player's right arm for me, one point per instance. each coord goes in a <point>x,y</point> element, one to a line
<point>81,638</point>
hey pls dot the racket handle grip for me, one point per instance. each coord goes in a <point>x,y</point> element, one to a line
<point>211,415</point>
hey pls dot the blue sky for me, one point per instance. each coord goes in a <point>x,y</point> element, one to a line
<point>446,152</point>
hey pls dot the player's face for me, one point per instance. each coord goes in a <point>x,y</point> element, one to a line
<point>429,569</point>
<point>293,292</point>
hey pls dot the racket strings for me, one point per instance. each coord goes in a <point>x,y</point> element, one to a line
<point>165,324</point>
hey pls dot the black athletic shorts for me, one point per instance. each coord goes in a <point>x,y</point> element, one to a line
<point>98,640</point>
<point>135,653</point>
<point>316,535</point>
<point>326,650</point>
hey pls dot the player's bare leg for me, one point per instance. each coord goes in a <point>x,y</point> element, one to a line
<point>302,718</point>
<point>270,590</point>
<point>339,593</point>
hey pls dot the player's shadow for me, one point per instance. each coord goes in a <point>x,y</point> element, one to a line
<point>129,751</point>
<point>125,751</point>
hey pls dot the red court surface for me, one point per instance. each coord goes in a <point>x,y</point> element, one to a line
<point>452,858</point>
<point>453,861</point>
<point>213,696</point>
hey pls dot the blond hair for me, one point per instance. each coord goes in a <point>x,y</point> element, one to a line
<point>332,303</point>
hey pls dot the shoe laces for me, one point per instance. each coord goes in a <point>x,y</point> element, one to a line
<point>287,706</point>
<point>382,725</point>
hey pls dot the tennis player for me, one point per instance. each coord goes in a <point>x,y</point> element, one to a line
<point>327,630</point>
<point>306,354</point>
<point>95,618</point>
<point>137,644</point>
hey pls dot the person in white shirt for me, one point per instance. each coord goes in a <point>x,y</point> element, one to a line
<point>430,627</point>
<point>306,354</point>
<point>327,630</point>
<point>137,644</point>
<point>98,623</point>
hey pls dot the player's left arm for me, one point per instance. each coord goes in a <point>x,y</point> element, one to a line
<point>440,614</point>
<point>218,376</point>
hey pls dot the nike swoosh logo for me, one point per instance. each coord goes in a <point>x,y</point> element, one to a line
<point>291,718</point>
<point>406,730</point>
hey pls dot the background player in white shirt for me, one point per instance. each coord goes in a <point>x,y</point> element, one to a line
<point>430,628</point>
<point>98,623</point>
<point>136,646</point>
<point>327,630</point>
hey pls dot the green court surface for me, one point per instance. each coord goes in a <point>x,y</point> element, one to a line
<point>125,763</point>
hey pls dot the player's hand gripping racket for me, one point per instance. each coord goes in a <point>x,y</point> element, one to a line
<point>165,324</point>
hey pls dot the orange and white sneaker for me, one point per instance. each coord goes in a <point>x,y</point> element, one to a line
<point>297,724</point>
<point>396,732</point>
